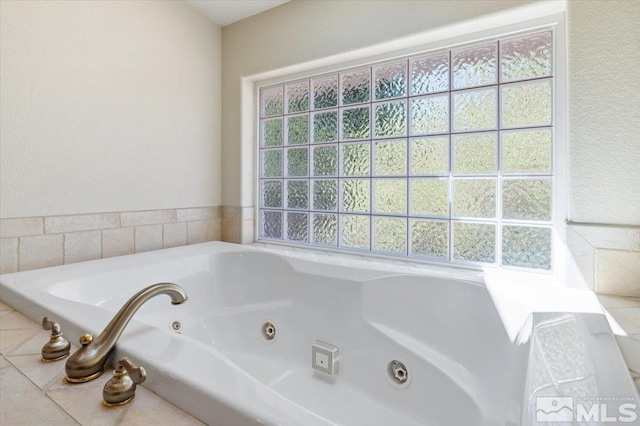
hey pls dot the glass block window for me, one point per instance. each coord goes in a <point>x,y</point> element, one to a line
<point>444,155</point>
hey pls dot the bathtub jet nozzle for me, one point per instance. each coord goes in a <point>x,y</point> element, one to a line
<point>87,363</point>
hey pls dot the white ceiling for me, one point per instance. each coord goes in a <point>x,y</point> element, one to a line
<point>226,12</point>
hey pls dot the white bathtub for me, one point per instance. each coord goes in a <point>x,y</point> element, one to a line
<point>464,366</point>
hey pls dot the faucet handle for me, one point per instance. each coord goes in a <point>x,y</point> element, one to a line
<point>137,374</point>
<point>47,324</point>
<point>57,347</point>
<point>122,387</point>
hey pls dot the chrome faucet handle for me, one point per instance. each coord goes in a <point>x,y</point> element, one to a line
<point>57,347</point>
<point>121,388</point>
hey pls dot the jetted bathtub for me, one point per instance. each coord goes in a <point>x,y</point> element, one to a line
<point>404,349</point>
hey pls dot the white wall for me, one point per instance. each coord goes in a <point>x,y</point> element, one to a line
<point>108,106</point>
<point>604,111</point>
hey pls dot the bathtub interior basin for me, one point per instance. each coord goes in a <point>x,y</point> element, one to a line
<point>240,351</point>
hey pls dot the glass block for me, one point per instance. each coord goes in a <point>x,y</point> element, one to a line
<point>429,197</point>
<point>271,101</point>
<point>355,123</point>
<point>528,199</point>
<point>297,226</point>
<point>325,126</point>
<point>297,95</point>
<point>429,74</point>
<point>474,197</point>
<point>527,151</point>
<point>272,163</point>
<point>356,86</point>
<point>355,231</point>
<point>355,159</point>
<point>526,57</point>
<point>526,104</point>
<point>297,194</point>
<point>325,194</point>
<point>429,238</point>
<point>475,110</point>
<point>390,234</point>
<point>430,115</point>
<point>325,229</point>
<point>429,156</point>
<point>527,247</point>
<point>297,129</point>
<point>475,153</point>
<point>271,132</point>
<point>355,195</point>
<point>390,80</point>
<point>325,91</point>
<point>391,119</point>
<point>475,66</point>
<point>390,157</point>
<point>272,193</point>
<point>271,224</point>
<point>475,242</point>
<point>297,162</point>
<point>390,196</point>
<point>325,160</point>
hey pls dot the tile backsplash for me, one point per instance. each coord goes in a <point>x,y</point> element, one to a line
<point>39,242</point>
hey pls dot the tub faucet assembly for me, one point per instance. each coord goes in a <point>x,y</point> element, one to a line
<point>87,363</point>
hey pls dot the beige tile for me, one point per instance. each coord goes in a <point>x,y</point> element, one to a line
<point>148,238</point>
<point>609,301</point>
<point>33,346</point>
<point>40,252</point>
<point>151,217</point>
<point>610,237</point>
<point>201,213</point>
<point>84,404</point>
<point>174,234</point>
<point>8,255</point>
<point>630,349</point>
<point>618,272</point>
<point>227,230</point>
<point>201,231</point>
<point>16,321</point>
<point>628,318</point>
<point>11,339</point>
<point>61,384</point>
<point>580,260</point>
<point>247,231</point>
<point>21,227</point>
<point>635,336</point>
<point>83,222</point>
<point>148,408</point>
<point>4,363</point>
<point>40,373</point>
<point>23,404</point>
<point>5,308</point>
<point>82,246</point>
<point>117,242</point>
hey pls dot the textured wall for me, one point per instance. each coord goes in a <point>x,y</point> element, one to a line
<point>108,106</point>
<point>604,111</point>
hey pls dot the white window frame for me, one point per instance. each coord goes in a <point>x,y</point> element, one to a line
<point>555,22</point>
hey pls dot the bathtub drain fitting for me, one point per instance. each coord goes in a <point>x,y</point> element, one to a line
<point>176,326</point>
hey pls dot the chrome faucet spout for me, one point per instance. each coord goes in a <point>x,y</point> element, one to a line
<point>87,363</point>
